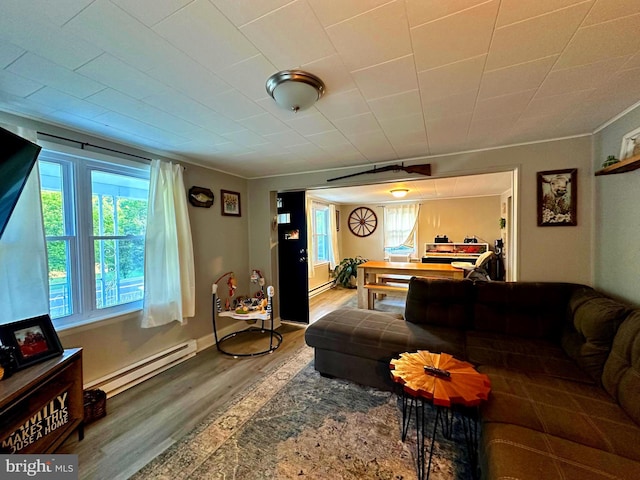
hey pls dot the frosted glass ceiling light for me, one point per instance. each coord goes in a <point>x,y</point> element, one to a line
<point>399,192</point>
<point>294,89</point>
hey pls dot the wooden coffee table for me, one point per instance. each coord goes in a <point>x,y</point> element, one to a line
<point>453,386</point>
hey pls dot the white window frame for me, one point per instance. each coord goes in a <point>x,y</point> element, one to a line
<point>79,164</point>
<point>315,207</point>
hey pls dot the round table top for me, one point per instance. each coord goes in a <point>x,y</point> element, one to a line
<point>465,386</point>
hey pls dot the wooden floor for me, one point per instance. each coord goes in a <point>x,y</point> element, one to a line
<point>145,420</point>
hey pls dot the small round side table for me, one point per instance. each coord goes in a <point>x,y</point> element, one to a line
<point>447,383</point>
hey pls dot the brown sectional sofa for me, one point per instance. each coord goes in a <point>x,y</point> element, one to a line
<point>563,359</point>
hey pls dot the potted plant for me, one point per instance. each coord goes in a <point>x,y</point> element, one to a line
<point>346,272</point>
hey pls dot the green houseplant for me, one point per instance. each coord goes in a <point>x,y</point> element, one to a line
<point>346,270</point>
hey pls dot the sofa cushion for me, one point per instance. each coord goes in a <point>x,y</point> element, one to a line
<point>575,411</point>
<point>594,322</point>
<point>379,336</point>
<point>621,375</point>
<point>527,355</point>
<point>522,309</point>
<point>438,301</point>
<point>514,452</point>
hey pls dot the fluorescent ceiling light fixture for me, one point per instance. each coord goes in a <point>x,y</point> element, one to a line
<point>295,89</point>
<point>399,192</point>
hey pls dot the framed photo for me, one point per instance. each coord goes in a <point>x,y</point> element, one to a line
<point>557,198</point>
<point>230,202</point>
<point>630,145</point>
<point>34,340</point>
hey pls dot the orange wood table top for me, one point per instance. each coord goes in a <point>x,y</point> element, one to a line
<point>465,386</point>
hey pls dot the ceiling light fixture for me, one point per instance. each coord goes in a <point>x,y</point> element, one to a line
<point>399,192</point>
<point>294,89</point>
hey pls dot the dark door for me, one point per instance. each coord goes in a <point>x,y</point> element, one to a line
<point>293,286</point>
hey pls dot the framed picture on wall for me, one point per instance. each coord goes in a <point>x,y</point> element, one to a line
<point>557,198</point>
<point>230,202</point>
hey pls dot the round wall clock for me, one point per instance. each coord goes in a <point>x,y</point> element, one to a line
<point>362,221</point>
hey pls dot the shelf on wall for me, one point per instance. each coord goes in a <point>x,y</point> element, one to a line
<point>627,165</point>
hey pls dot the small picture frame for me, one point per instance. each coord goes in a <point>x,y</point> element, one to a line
<point>230,203</point>
<point>557,198</point>
<point>34,340</point>
<point>630,145</point>
<point>200,197</point>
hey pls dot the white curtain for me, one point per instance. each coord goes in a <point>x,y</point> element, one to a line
<point>310,237</point>
<point>334,254</point>
<point>169,291</point>
<point>400,225</point>
<point>24,286</point>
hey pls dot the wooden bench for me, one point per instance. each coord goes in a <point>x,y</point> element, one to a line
<point>382,288</point>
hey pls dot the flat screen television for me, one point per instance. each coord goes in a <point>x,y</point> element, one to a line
<point>17,157</point>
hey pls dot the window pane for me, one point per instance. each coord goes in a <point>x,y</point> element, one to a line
<point>59,278</point>
<point>52,198</point>
<point>119,271</point>
<point>119,204</point>
<point>322,248</point>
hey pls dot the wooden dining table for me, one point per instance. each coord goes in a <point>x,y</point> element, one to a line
<point>368,273</point>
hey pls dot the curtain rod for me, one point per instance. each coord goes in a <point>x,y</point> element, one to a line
<point>85,144</point>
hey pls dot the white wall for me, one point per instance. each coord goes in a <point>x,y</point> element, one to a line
<point>617,217</point>
<point>545,253</point>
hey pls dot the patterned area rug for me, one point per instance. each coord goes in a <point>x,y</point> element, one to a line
<point>297,424</point>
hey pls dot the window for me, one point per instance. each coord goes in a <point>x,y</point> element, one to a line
<point>94,214</point>
<point>400,229</point>
<point>321,232</point>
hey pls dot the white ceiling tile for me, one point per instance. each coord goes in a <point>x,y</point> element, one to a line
<point>512,104</point>
<point>364,123</point>
<point>125,123</point>
<point>244,11</point>
<point>328,139</point>
<point>333,73</point>
<point>448,133</point>
<point>451,79</point>
<point>234,105</point>
<point>512,11</point>
<point>273,34</point>
<point>374,146</point>
<point>116,74</point>
<point>538,37</point>
<point>399,105</point>
<point>334,11</point>
<point>623,85</point>
<point>555,104</point>
<point>132,41</point>
<point>374,37</point>
<point>151,12</point>
<point>17,85</point>
<point>580,78</point>
<point>40,10</point>
<point>409,124</point>
<point>287,139</point>
<point>633,62</point>
<point>33,33</point>
<point>192,111</point>
<point>9,53</point>
<point>246,138</point>
<point>450,106</point>
<point>250,76</point>
<point>62,101</point>
<point>264,124</point>
<point>388,78</point>
<point>423,11</point>
<point>487,131</point>
<point>22,106</point>
<point>189,77</point>
<point>602,41</point>
<point>516,78</point>
<point>606,10</point>
<point>118,102</point>
<point>409,150</point>
<point>206,35</point>
<point>45,71</point>
<point>456,37</point>
<point>310,124</point>
<point>344,104</point>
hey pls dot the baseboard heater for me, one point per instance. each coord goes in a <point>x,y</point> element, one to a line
<point>320,288</point>
<point>142,370</point>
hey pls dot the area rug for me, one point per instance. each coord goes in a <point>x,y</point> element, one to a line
<point>297,424</point>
